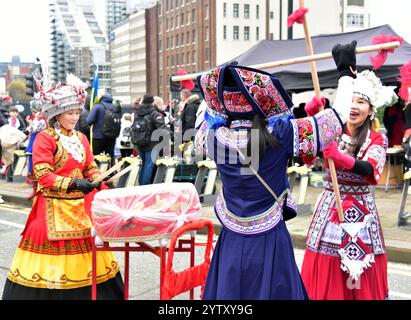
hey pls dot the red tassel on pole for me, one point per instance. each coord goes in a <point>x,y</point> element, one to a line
<point>378,60</point>
<point>189,84</point>
<point>405,79</point>
<point>297,16</point>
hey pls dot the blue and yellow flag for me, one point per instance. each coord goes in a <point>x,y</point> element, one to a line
<point>93,100</point>
<point>94,90</point>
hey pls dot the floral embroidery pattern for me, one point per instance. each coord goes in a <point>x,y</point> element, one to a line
<point>209,85</point>
<point>307,142</point>
<point>329,127</point>
<point>263,92</point>
<point>236,102</point>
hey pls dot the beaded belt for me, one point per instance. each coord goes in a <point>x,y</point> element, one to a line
<point>249,225</point>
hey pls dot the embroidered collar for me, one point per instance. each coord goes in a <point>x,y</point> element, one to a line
<point>71,144</point>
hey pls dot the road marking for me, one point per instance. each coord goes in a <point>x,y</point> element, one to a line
<point>400,295</point>
<point>12,224</point>
<point>10,209</point>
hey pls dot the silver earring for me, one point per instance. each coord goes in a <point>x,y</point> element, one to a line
<point>57,125</point>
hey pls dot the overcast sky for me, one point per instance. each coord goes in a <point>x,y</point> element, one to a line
<point>25,29</point>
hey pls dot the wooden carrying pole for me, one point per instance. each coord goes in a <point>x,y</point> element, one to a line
<point>316,83</point>
<point>304,59</point>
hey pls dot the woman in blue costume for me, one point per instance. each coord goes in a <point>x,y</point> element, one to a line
<point>254,256</point>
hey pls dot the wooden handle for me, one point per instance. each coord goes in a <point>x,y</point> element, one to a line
<point>124,171</point>
<point>336,189</point>
<point>317,89</point>
<point>305,59</point>
<point>107,173</point>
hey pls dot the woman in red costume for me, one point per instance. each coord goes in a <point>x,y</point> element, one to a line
<point>347,260</point>
<point>53,259</point>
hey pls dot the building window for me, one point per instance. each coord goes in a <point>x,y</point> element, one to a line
<point>225,9</point>
<point>160,45</point>
<point>177,60</point>
<point>257,33</point>
<point>182,39</point>
<point>193,36</point>
<point>194,57</point>
<point>188,37</point>
<point>246,33</point>
<point>193,16</point>
<point>182,58</point>
<point>246,11</point>
<point>207,54</point>
<point>206,11</point>
<point>207,34</point>
<point>182,19</point>
<point>359,3</point>
<point>236,32</point>
<point>355,20</point>
<point>257,11</point>
<point>271,15</point>
<point>236,10</point>
<point>225,32</point>
<point>177,40</point>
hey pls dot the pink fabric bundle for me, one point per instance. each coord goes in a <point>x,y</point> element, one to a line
<point>381,56</point>
<point>405,79</point>
<point>297,16</point>
<point>144,213</point>
<point>189,84</point>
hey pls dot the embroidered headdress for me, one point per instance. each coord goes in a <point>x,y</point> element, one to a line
<point>243,92</point>
<point>368,86</point>
<point>64,97</point>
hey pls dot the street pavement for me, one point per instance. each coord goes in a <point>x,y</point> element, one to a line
<point>397,239</point>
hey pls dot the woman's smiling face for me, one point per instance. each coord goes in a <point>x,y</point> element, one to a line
<point>360,110</point>
<point>69,119</point>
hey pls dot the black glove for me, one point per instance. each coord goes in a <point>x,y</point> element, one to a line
<point>344,57</point>
<point>83,185</point>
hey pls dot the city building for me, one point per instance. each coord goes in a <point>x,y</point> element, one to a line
<point>134,56</point>
<point>187,38</point>
<point>120,62</point>
<point>15,70</point>
<point>77,41</point>
<point>199,34</point>
<point>138,5</point>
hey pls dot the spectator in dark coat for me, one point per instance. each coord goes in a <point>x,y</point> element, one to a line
<point>95,118</point>
<point>189,116</point>
<point>147,110</point>
<point>82,124</point>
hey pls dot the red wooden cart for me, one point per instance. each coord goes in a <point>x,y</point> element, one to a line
<point>171,283</point>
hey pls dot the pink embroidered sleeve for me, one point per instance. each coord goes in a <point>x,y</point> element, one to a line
<point>312,134</point>
<point>376,156</point>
